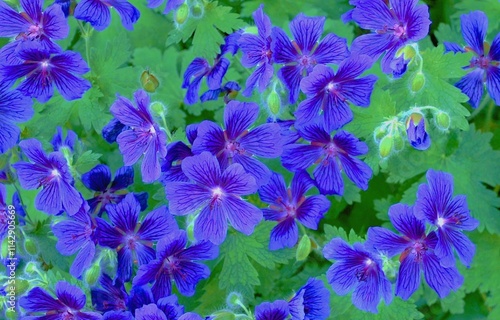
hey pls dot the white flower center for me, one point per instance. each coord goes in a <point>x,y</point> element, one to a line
<point>441,222</point>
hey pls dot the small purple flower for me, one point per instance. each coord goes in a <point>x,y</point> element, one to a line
<point>393,23</point>
<point>52,174</point>
<point>69,142</point>
<point>359,270</point>
<point>68,305</point>
<point>417,254</point>
<point>416,133</point>
<point>287,205</point>
<point>132,239</point>
<point>278,310</point>
<point>171,4</point>
<point>98,13</point>
<point>218,194</point>
<point>333,155</point>
<point>237,144</point>
<point>175,262</point>
<point>33,25</point>
<point>485,65</point>
<point>312,301</point>
<point>14,107</point>
<point>436,204</point>
<point>106,192</point>
<point>301,55</point>
<point>329,93</point>
<point>43,70</point>
<point>256,51</point>
<point>111,131</point>
<point>144,136</point>
<point>112,296</point>
<point>78,235</point>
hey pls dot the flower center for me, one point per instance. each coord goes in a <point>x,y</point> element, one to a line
<point>441,222</point>
<point>34,31</point>
<point>480,62</point>
<point>55,174</point>
<point>130,241</point>
<point>44,64</point>
<point>400,31</point>
<point>331,150</point>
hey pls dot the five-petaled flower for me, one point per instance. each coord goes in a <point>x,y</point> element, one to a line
<point>329,93</point>
<point>43,70</point>
<point>287,205</point>
<point>393,23</point>
<point>301,55</point>
<point>332,156</point>
<point>417,254</point>
<point>132,239</point>
<point>175,262</point>
<point>436,204</point>
<point>485,64</point>
<point>238,144</point>
<point>51,172</point>
<point>218,194</point>
<point>358,269</point>
<point>143,136</point>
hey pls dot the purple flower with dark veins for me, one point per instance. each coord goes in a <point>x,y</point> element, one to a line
<point>450,215</point>
<point>32,25</point>
<point>14,107</point>
<point>277,310</point>
<point>485,64</point>
<point>256,52</point>
<point>106,192</point>
<point>416,133</point>
<point>144,136</point>
<point>288,205</point>
<point>329,93</point>
<point>312,301</point>
<point>111,295</point>
<point>238,144</point>
<point>69,142</point>
<point>176,262</point>
<point>41,70</point>
<point>332,156</point>
<point>132,239</point>
<point>79,235</point>
<point>359,270</point>
<point>51,172</point>
<point>68,305</point>
<point>394,24</point>
<point>417,254</point>
<point>98,13</point>
<point>217,193</point>
<point>301,55</point>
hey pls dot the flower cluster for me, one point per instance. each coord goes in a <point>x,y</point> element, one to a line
<point>360,268</point>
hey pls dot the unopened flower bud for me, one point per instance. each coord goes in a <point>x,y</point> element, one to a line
<point>274,103</point>
<point>234,300</point>
<point>418,82</point>
<point>149,82</point>
<point>385,146</point>
<point>398,142</point>
<point>31,268</point>
<point>158,109</point>
<point>443,120</point>
<point>303,248</point>
<point>197,10</point>
<point>93,274</point>
<point>415,130</point>
<point>380,132</point>
<point>182,13</point>
<point>223,315</point>
<point>30,246</point>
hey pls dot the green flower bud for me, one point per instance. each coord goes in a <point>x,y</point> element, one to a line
<point>149,82</point>
<point>390,267</point>
<point>380,132</point>
<point>303,249</point>
<point>443,120</point>
<point>22,286</point>
<point>158,109</point>
<point>182,13</point>
<point>274,103</point>
<point>385,146</point>
<point>92,274</point>
<point>234,300</point>
<point>197,10</point>
<point>31,268</point>
<point>418,82</point>
<point>408,52</point>
<point>30,246</point>
<point>398,142</point>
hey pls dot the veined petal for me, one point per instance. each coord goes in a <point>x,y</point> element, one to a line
<point>211,225</point>
<point>9,135</point>
<point>37,85</point>
<point>11,22</point>
<point>282,48</point>
<point>242,215</point>
<point>83,260</point>
<point>439,278</point>
<point>336,112</point>
<point>372,44</point>
<point>261,77</point>
<point>95,12</point>
<point>274,191</point>
<point>434,197</point>
<point>465,248</point>
<point>349,143</point>
<point>40,300</point>
<point>403,219</point>
<point>48,200</point>
<point>157,224</point>
<point>108,236</point>
<point>317,80</point>
<point>262,22</point>
<point>257,169</point>
<point>314,133</point>
<point>236,181</point>
<point>263,141</point>
<point>187,276</point>
<point>299,156</point>
<point>301,183</point>
<point>444,249</point>
<point>238,117</point>
<point>291,76</point>
<point>217,73</point>
<point>98,178</point>
<point>332,49</point>
<point>284,235</point>
<point>474,27</point>
<point>408,277</point>
<point>150,168</point>
<point>312,210</point>
<point>309,109</point>
<point>132,146</point>
<point>373,15</point>
<point>356,170</point>
<point>367,296</point>
<point>72,200</point>
<point>128,13</point>
<point>210,138</point>
<point>203,169</point>
<point>124,177</point>
<point>493,82</point>
<point>55,24</point>
<point>125,214</point>
<point>359,91</point>
<point>185,198</point>
<point>452,47</point>
<point>307,31</point>
<point>328,177</point>
<point>204,250</point>
<point>385,241</point>
<point>495,49</point>
<point>472,86</point>
<point>342,277</point>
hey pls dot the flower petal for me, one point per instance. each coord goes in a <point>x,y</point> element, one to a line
<point>332,49</point>
<point>493,83</point>
<point>284,235</point>
<point>282,48</point>
<point>357,171</point>
<point>291,76</point>
<point>257,169</point>
<point>211,224</point>
<point>39,300</point>
<point>98,178</point>
<point>312,210</point>
<point>238,117</point>
<point>202,169</point>
<point>440,278</point>
<point>328,177</point>
<point>124,177</point>
<point>474,27</point>
<point>95,12</point>
<point>307,31</point>
<point>299,156</point>
<point>385,241</point>
<point>242,215</point>
<point>263,141</point>
<point>236,181</point>
<point>185,198</point>
<point>187,276</point>
<point>128,13</point>
<point>210,138</point>
<point>408,277</point>
<point>274,191</point>
<point>472,86</point>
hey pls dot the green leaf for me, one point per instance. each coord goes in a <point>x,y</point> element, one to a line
<point>490,7</point>
<point>207,30</point>
<point>238,252</point>
<point>280,12</point>
<point>87,161</point>
<point>93,110</point>
<point>333,232</point>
